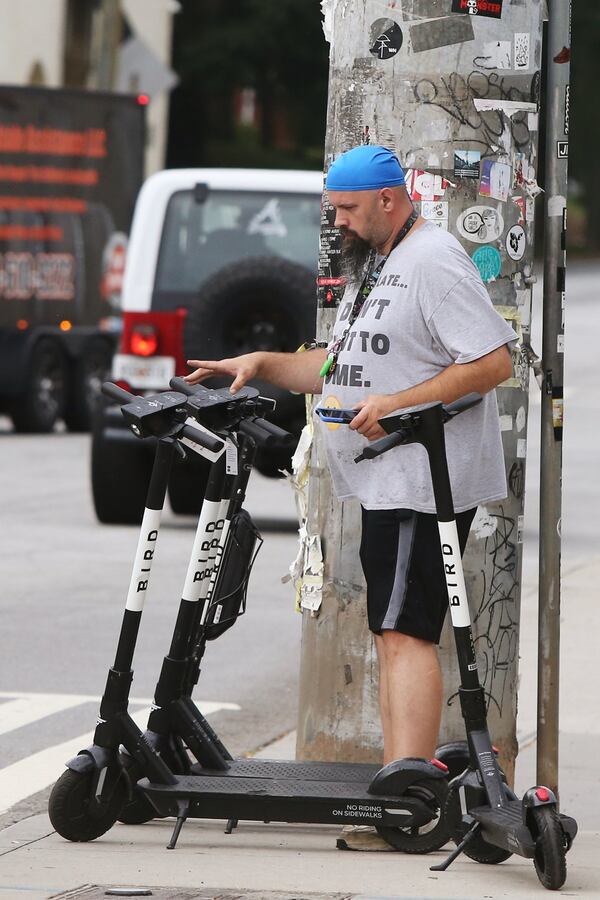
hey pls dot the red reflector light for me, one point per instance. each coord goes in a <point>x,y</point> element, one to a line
<point>439,764</point>
<point>144,340</point>
<point>143,99</point>
<point>542,794</point>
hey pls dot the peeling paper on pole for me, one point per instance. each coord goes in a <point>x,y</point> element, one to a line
<point>422,185</point>
<point>508,107</point>
<point>298,479</point>
<point>328,10</point>
<point>311,591</point>
<point>556,205</point>
<point>484,525</point>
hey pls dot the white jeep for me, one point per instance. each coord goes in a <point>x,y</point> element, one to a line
<point>220,262</point>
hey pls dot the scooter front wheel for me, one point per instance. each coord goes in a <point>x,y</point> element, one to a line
<point>137,810</point>
<point>550,847</point>
<point>76,814</point>
<point>423,838</point>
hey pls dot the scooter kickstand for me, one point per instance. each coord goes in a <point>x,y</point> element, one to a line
<point>458,850</point>
<point>231,824</point>
<point>183,807</point>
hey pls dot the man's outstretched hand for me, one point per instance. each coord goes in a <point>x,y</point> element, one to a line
<point>241,368</point>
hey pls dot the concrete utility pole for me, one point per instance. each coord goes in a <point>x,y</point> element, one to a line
<point>557,153</point>
<point>453,87</point>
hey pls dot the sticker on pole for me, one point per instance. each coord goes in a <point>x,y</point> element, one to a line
<point>490,8</point>
<point>385,38</point>
<point>489,263</point>
<point>467,163</point>
<point>516,242</point>
<point>480,224</point>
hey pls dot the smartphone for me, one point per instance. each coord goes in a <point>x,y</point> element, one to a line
<point>339,416</point>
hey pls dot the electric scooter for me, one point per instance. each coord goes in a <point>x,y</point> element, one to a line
<point>214,596</point>
<point>87,799</point>
<point>486,820</point>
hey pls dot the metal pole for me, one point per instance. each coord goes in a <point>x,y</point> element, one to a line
<point>557,151</point>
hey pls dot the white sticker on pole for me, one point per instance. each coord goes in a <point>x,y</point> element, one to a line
<point>455,579</point>
<point>144,557</point>
<point>211,455</point>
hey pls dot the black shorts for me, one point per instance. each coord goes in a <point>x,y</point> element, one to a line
<point>402,560</point>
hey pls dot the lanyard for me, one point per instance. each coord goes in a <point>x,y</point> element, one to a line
<point>368,283</point>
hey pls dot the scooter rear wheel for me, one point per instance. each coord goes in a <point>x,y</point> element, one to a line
<point>478,849</point>
<point>424,838</point>
<point>75,814</point>
<point>550,847</point>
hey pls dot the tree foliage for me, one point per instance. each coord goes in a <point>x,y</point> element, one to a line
<point>274,46</point>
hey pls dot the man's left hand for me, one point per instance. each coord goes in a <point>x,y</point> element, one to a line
<point>370,410</point>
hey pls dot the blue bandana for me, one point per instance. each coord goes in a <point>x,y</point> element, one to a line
<point>365,168</point>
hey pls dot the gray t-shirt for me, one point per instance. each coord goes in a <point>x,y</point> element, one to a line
<point>429,309</point>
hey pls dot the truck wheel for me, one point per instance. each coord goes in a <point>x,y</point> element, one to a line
<point>261,303</point>
<point>87,374</point>
<point>38,407</point>
<point>120,475</point>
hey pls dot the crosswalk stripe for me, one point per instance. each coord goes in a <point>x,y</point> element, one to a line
<point>35,772</point>
<point>24,710</point>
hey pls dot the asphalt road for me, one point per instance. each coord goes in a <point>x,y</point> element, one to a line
<point>64,580</point>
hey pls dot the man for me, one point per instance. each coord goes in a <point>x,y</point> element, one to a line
<point>415,325</point>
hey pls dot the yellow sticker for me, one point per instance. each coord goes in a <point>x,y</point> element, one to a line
<point>331,402</point>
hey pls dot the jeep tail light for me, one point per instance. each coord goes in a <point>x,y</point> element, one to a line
<point>144,340</point>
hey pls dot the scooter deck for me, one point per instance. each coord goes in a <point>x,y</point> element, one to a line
<point>307,771</point>
<point>282,800</point>
<point>504,827</point>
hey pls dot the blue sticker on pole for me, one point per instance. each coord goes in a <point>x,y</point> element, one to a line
<point>489,263</point>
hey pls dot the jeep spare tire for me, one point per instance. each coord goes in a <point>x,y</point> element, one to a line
<point>260,303</point>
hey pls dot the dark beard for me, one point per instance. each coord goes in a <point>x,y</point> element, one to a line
<point>355,253</point>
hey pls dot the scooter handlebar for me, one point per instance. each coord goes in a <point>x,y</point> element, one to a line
<point>253,429</point>
<point>207,441</point>
<point>275,431</point>
<point>116,393</point>
<point>383,444</point>
<point>180,384</point>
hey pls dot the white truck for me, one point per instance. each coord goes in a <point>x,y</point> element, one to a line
<point>220,262</point>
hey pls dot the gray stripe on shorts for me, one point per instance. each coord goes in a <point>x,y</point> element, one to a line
<point>406,536</point>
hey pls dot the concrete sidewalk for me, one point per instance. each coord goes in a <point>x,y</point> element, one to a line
<point>258,861</point>
<point>297,862</point>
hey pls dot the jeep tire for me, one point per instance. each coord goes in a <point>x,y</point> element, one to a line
<point>121,469</point>
<point>261,303</point>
